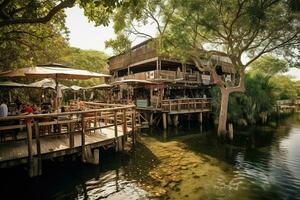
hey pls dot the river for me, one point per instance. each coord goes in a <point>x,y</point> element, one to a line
<point>184,163</point>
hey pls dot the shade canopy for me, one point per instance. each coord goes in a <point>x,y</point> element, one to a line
<point>15,85</point>
<point>132,81</point>
<point>47,84</point>
<point>54,72</point>
<point>101,86</point>
<point>76,88</point>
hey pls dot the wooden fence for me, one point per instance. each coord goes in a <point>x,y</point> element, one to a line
<point>186,105</point>
<point>75,126</point>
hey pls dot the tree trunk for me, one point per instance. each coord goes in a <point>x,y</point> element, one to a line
<point>223,112</point>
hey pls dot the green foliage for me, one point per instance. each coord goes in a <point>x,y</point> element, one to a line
<point>269,65</point>
<point>91,60</point>
<point>249,107</point>
<point>27,45</point>
<point>284,87</point>
<point>119,45</point>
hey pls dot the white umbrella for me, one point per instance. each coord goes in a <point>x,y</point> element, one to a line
<point>54,71</point>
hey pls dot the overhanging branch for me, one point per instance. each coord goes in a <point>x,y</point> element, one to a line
<point>45,19</point>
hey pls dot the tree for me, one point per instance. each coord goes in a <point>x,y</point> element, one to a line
<point>16,12</point>
<point>284,87</point>
<point>34,32</point>
<point>269,66</point>
<point>239,28</point>
<point>85,59</point>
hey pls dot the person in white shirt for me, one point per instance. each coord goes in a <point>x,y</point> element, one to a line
<point>3,109</point>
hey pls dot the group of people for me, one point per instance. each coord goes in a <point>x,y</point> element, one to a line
<point>19,108</point>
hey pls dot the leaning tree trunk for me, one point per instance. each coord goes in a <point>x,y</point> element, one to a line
<point>223,112</point>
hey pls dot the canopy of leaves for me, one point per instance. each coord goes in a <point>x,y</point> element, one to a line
<point>269,65</point>
<point>85,59</point>
<point>284,87</point>
<point>120,45</point>
<point>247,108</point>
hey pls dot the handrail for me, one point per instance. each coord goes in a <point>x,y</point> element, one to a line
<point>190,104</point>
<point>65,113</point>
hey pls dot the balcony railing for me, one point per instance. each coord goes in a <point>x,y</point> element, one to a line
<point>167,76</point>
<point>186,105</point>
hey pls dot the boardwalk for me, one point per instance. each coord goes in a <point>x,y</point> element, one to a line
<point>80,132</point>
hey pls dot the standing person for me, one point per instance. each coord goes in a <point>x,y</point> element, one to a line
<point>18,103</point>
<point>3,108</point>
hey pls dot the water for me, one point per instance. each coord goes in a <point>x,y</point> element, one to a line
<point>185,163</point>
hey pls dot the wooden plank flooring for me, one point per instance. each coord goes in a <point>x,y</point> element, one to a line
<point>18,150</point>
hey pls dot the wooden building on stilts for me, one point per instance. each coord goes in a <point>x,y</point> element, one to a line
<point>164,89</point>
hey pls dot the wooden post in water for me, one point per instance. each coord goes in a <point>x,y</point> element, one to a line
<point>151,119</point>
<point>200,118</point>
<point>230,131</point>
<point>38,148</point>
<point>124,138</point>
<point>83,138</point>
<point>133,127</point>
<point>30,153</point>
<point>71,135</point>
<point>164,115</point>
<point>169,119</point>
<point>116,130</point>
<point>176,122</point>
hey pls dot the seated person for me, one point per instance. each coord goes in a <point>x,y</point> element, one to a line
<point>36,109</point>
<point>3,108</point>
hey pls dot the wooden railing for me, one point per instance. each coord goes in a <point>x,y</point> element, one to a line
<point>39,126</point>
<point>288,105</point>
<point>186,105</point>
<point>164,75</point>
<point>133,56</point>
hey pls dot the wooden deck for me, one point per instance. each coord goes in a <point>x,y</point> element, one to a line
<point>64,134</point>
<point>56,145</point>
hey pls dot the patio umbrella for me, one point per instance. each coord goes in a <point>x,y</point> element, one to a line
<point>47,84</point>
<point>101,86</point>
<point>55,72</point>
<point>11,84</point>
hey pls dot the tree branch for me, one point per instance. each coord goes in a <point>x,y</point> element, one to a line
<point>48,17</point>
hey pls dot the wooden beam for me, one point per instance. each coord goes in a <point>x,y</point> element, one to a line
<point>38,147</point>
<point>30,153</point>
<point>83,138</point>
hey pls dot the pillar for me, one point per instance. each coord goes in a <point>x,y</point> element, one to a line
<point>230,130</point>
<point>176,122</point>
<point>151,119</point>
<point>92,156</point>
<point>200,117</point>
<point>169,120</point>
<point>164,115</point>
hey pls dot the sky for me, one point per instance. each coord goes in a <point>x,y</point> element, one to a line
<point>84,35</point>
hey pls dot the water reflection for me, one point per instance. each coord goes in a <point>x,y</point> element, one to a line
<point>262,163</point>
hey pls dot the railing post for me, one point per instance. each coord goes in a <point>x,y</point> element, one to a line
<point>116,130</point>
<point>71,135</point>
<point>124,137</point>
<point>133,126</point>
<point>124,122</point>
<point>95,122</point>
<point>29,142</point>
<point>38,147</point>
<point>83,137</point>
